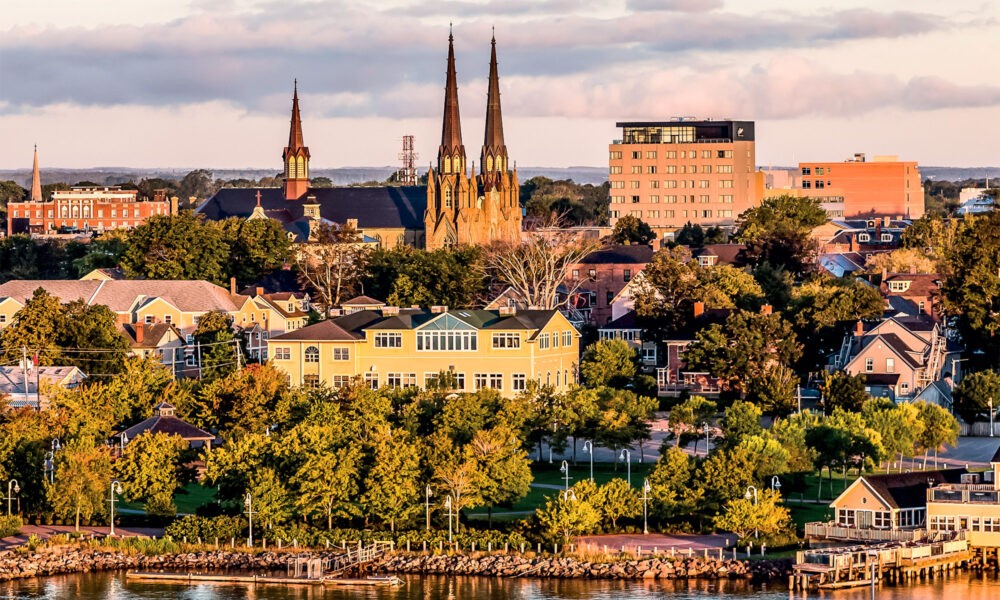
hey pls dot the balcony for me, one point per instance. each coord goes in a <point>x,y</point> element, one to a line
<point>698,383</point>
<point>964,493</point>
<point>832,531</point>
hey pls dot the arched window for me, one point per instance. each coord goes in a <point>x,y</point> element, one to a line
<point>557,378</point>
<point>548,378</point>
<point>489,163</point>
<point>312,354</point>
<point>447,197</point>
<point>447,165</point>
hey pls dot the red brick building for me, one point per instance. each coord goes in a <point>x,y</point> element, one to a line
<point>602,275</point>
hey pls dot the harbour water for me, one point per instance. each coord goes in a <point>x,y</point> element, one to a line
<point>105,586</point>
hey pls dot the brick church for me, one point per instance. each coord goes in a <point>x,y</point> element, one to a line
<point>457,207</point>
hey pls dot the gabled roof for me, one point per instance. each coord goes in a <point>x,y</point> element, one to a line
<point>909,490</point>
<point>626,321</point>
<point>373,207</point>
<point>921,284</point>
<point>123,295</point>
<point>170,425</point>
<point>363,301</point>
<point>727,254</point>
<point>153,333</point>
<point>327,330</point>
<point>996,456</point>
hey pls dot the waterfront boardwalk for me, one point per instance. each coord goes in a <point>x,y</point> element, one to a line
<point>850,566</point>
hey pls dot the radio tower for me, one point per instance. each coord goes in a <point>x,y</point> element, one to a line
<point>408,174</point>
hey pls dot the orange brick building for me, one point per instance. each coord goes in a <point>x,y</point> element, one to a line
<point>884,186</point>
<point>669,173</point>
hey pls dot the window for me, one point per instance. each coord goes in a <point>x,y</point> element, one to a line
<point>654,199</point>
<point>670,183</point>
<point>636,169</point>
<point>626,276</point>
<point>310,381</point>
<point>671,168</point>
<point>617,185</point>
<point>864,237</point>
<point>608,297</point>
<point>706,168</point>
<point>726,198</point>
<point>592,274</point>
<point>371,380</point>
<point>401,380</point>
<point>615,170</point>
<point>312,354</point>
<point>806,184</point>
<point>443,341</point>
<point>635,199</point>
<point>904,388</point>
<point>845,518</point>
<point>149,320</point>
<point>3,318</point>
<point>806,171</point>
<point>282,353</point>
<point>506,340</point>
<point>341,381</point>
<point>543,341</point>
<point>726,183</point>
<point>703,183</point>
<point>636,155</point>
<point>886,237</point>
<point>341,354</point>
<point>890,365</point>
<point>649,355</point>
<point>671,154</point>
<point>388,340</point>
<point>576,274</point>
<point>869,365</point>
<point>496,381</point>
<point>567,338</point>
<point>724,169</point>
<point>616,155</point>
<point>654,184</point>
<point>883,519</point>
<point>651,169</point>
<point>518,382</point>
<point>650,153</point>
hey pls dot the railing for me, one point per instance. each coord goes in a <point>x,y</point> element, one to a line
<point>964,494</point>
<point>356,557</point>
<point>838,532</point>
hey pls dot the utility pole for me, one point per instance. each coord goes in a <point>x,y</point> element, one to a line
<point>24,372</point>
<point>197,349</point>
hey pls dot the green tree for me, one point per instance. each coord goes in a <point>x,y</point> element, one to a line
<point>623,418</point>
<point>393,490</point>
<point>566,201</point>
<point>973,394</point>
<point>898,425</point>
<point>251,399</point>
<point>181,246</point>
<point>256,247</point>
<point>672,491</point>
<point>565,517</point>
<point>692,236</point>
<point>35,328</point>
<point>844,391</point>
<point>231,466</point>
<point>82,479</point>
<point>326,484</point>
<point>760,515</point>
<point>333,263</point>
<point>631,230</point>
<point>217,349</point>
<point>777,231</point>
<point>90,339</point>
<point>271,500</point>
<point>150,471</point>
<point>617,499</point>
<point>462,481</point>
<point>104,252</point>
<point>790,432</point>
<point>972,289</point>
<point>940,429</point>
<point>687,418</point>
<point>197,184</point>
<point>741,420</point>
<point>503,465</point>
<point>609,363</point>
<point>405,276</point>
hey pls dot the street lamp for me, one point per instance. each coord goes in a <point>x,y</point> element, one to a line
<point>248,503</point>
<point>447,504</point>
<point>568,495</point>
<point>705,429</point>
<point>646,488</point>
<point>873,558</point>
<point>428,492</point>
<point>588,447</point>
<point>627,457</point>
<point>122,440</point>
<point>564,469</point>
<point>116,487</point>
<point>748,496</point>
<point>990,403</point>
<point>50,460</point>
<point>10,496</point>
<point>775,483</point>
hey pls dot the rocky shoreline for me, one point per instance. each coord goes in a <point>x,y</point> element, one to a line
<point>57,560</point>
<point>507,565</point>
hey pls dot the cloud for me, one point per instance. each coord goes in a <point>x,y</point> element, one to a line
<point>686,6</point>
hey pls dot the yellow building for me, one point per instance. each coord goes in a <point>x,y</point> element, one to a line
<point>972,506</point>
<point>498,349</point>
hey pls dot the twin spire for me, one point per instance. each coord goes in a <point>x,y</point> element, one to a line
<point>451,152</point>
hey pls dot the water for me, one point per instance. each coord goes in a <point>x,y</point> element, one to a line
<point>963,586</point>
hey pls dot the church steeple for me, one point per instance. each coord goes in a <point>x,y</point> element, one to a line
<point>451,152</point>
<point>296,154</point>
<point>36,180</point>
<point>493,159</point>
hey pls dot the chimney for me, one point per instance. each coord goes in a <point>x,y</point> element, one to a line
<point>439,309</point>
<point>886,221</point>
<point>173,204</point>
<point>352,224</point>
<point>766,309</point>
<point>160,195</point>
<point>859,329</point>
<point>260,291</point>
<point>140,333</point>
<point>232,286</point>
<point>699,309</point>
<point>508,311</point>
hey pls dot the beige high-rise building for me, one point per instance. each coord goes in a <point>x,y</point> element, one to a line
<point>669,173</point>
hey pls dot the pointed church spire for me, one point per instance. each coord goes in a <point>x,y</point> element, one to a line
<point>36,180</point>
<point>296,154</point>
<point>494,121</point>
<point>451,129</point>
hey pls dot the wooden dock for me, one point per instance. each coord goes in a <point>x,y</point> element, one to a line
<point>853,566</point>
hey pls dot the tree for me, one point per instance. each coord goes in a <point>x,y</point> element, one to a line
<point>82,479</point>
<point>150,470</point>
<point>758,515</point>
<point>623,418</point>
<point>777,231</point>
<point>104,252</point>
<point>503,465</point>
<point>898,425</point>
<point>218,349</point>
<point>271,502</point>
<point>632,230</point>
<point>903,260</point>
<point>181,246</point>
<point>972,289</point>
<point>940,429</point>
<point>741,420</point>
<point>843,391</point>
<point>565,517</point>
<point>671,486</point>
<point>333,263</point>
<point>687,417</point>
<point>973,393</point>
<point>617,499</point>
<point>790,432</point>
<point>609,363</point>
<point>197,184</point>
<point>537,267</point>
<point>251,399</point>
<point>448,276</point>
<point>256,247</point>
<point>393,492</point>
<point>462,481</point>
<point>35,328</point>
<point>824,309</point>
<point>10,191</point>
<point>692,236</point>
<point>574,203</point>
<point>90,339</point>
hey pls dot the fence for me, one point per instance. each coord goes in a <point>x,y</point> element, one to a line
<point>977,429</point>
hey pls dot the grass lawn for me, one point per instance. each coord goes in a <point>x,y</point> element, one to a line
<point>808,513</point>
<point>187,501</point>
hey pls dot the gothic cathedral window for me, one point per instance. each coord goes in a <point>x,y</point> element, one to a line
<point>447,165</point>
<point>489,163</point>
<point>447,197</point>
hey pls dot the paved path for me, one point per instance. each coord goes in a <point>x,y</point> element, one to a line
<point>46,531</point>
<point>661,541</point>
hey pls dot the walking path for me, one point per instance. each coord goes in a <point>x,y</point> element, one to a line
<point>47,531</point>
<point>661,541</point>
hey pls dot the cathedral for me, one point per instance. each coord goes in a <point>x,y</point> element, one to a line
<point>457,207</point>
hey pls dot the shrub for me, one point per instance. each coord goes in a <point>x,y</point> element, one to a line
<point>207,529</point>
<point>10,525</point>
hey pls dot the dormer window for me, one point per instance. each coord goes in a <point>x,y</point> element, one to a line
<point>864,237</point>
<point>886,237</point>
<point>899,286</point>
<point>706,261</point>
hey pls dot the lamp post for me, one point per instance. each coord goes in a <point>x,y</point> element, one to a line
<point>564,469</point>
<point>748,496</point>
<point>646,488</point>
<point>428,492</point>
<point>50,460</point>
<point>873,558</point>
<point>588,447</point>
<point>627,457</point>
<point>447,504</point>
<point>10,496</point>
<point>568,495</point>
<point>705,429</point>
<point>775,483</point>
<point>248,503</point>
<point>990,403</point>
<point>116,487</point>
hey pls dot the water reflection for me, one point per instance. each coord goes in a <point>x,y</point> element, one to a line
<point>114,587</point>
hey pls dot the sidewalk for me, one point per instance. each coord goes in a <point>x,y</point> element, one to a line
<point>47,531</point>
<point>661,541</point>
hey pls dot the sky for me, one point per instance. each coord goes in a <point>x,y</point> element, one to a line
<point>208,83</point>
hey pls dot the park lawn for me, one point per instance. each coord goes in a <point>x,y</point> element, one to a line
<point>192,497</point>
<point>808,513</point>
<point>812,482</point>
<point>549,474</point>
